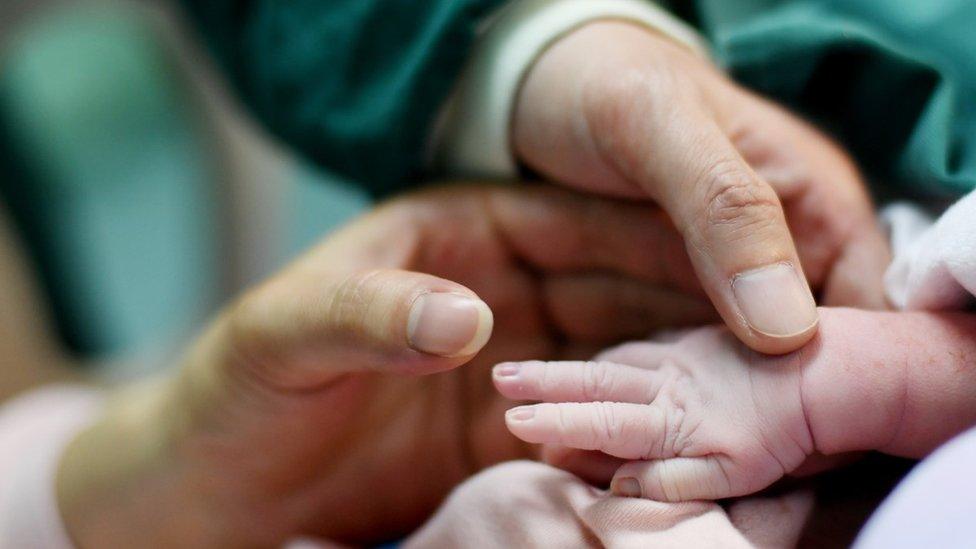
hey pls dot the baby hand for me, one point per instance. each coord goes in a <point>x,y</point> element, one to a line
<point>702,417</point>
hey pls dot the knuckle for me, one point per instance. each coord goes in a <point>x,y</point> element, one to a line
<point>593,224</point>
<point>734,199</point>
<point>560,419</point>
<point>654,441</point>
<point>351,307</point>
<point>544,379</point>
<point>567,423</point>
<point>677,436</point>
<point>606,427</point>
<point>588,231</point>
<point>349,300</point>
<point>597,381</point>
<point>257,347</point>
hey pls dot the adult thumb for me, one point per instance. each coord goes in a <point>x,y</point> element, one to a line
<point>300,331</point>
<point>740,245</point>
<point>732,221</point>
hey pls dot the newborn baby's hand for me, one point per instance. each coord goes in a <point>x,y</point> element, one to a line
<point>703,417</point>
<point>707,419</point>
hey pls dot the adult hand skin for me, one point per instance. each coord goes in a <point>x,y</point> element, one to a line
<point>617,109</point>
<point>329,402</point>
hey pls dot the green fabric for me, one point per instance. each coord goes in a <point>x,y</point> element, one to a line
<point>107,180</point>
<point>894,80</point>
<point>354,84</point>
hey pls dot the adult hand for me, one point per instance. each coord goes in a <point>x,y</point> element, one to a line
<point>617,109</point>
<point>305,408</point>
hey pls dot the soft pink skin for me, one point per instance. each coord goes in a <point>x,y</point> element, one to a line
<point>899,383</point>
<point>702,417</point>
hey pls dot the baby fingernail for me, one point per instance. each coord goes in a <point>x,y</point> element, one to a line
<point>522,413</point>
<point>446,324</point>
<point>775,300</point>
<point>626,487</point>
<point>507,370</point>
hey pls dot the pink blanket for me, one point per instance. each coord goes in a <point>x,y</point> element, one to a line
<point>528,504</point>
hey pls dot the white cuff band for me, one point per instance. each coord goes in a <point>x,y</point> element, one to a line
<point>472,133</point>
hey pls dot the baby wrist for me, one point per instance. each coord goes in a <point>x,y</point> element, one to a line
<point>852,400</point>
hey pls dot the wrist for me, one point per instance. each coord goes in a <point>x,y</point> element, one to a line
<point>121,484</point>
<point>852,394</point>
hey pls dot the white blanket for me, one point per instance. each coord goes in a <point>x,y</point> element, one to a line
<point>935,263</point>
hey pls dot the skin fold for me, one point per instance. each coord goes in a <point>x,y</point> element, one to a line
<point>703,417</point>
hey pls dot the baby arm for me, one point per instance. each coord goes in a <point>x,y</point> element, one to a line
<point>702,417</point>
<point>899,383</point>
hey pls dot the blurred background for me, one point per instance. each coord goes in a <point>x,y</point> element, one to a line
<point>142,193</point>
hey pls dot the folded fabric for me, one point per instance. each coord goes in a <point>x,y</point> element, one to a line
<point>935,263</point>
<point>528,504</point>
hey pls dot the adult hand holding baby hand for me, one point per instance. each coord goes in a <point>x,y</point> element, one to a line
<point>311,406</point>
<point>703,417</point>
<point>617,109</point>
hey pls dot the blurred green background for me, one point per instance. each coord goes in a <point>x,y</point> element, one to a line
<point>143,193</point>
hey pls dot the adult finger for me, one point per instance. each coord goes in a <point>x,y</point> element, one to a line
<point>607,308</point>
<point>732,221</point>
<point>552,230</point>
<point>640,121</point>
<point>300,331</point>
<point>558,231</point>
<point>857,275</point>
<point>828,208</point>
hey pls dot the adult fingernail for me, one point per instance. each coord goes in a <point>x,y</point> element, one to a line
<point>522,413</point>
<point>446,324</point>
<point>507,370</point>
<point>626,487</point>
<point>775,300</point>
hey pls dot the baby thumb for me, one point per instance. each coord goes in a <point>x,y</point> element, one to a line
<point>674,479</point>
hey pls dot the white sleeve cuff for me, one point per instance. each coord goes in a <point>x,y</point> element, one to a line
<point>471,137</point>
<point>34,431</point>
